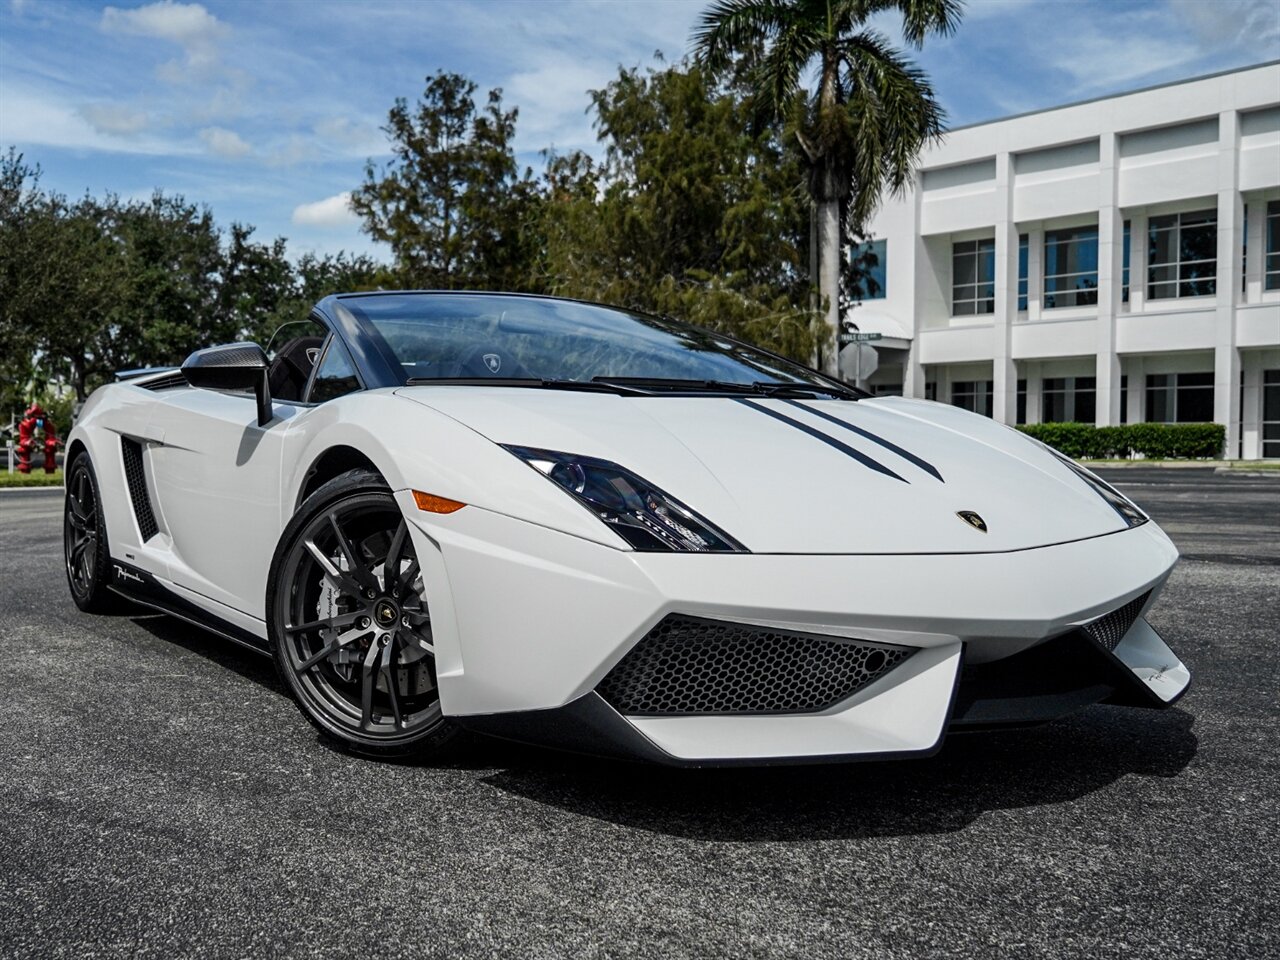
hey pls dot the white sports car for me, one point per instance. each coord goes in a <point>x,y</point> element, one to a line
<point>574,525</point>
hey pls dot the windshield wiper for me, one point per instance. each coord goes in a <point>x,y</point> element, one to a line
<point>788,389</point>
<point>544,383</point>
<point>759,387</point>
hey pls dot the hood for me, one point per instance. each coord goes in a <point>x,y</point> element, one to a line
<point>813,476</point>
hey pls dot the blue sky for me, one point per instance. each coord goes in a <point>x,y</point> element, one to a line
<point>267,111</point>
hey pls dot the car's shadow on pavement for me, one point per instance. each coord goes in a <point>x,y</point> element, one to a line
<point>972,774</point>
<point>219,650</point>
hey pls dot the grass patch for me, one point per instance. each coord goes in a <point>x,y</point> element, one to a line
<point>36,478</point>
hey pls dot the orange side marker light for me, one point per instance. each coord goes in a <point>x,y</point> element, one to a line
<point>433,504</point>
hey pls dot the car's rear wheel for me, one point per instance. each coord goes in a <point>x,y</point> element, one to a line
<point>84,540</point>
<point>350,624</point>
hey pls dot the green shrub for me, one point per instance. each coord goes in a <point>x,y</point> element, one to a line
<point>1154,441</point>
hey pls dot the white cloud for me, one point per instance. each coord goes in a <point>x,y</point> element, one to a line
<point>189,25</point>
<point>19,6</point>
<point>331,213</point>
<point>356,137</point>
<point>224,142</point>
<point>114,119</point>
<point>553,98</point>
<point>38,118</point>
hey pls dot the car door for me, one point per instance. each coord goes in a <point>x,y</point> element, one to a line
<point>217,480</point>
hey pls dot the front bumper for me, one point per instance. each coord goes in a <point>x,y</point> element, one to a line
<point>528,622</point>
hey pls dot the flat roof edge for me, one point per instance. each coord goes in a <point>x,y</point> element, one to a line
<point>1115,96</point>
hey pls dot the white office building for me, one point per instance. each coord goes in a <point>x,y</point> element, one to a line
<point>1110,261</point>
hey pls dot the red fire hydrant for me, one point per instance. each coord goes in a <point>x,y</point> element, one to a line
<point>34,419</point>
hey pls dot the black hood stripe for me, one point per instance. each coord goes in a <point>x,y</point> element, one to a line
<point>830,441</point>
<point>924,465</point>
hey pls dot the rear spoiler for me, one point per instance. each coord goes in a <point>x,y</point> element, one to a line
<point>141,372</point>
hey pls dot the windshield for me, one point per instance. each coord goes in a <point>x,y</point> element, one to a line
<point>436,336</point>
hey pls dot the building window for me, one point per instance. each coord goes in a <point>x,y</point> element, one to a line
<point>1022,402</point>
<point>869,266</point>
<point>975,395</point>
<point>1022,272</point>
<point>1071,267</point>
<point>1271,413</point>
<point>1272,279</point>
<point>1124,398</point>
<point>887,389</point>
<point>1069,400</point>
<point>1179,397</point>
<point>1182,255</point>
<point>973,277</point>
<point>931,390</point>
<point>1124,273</point>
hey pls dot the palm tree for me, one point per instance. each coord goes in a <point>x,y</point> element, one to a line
<point>862,126</point>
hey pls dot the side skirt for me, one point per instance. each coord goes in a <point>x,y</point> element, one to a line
<point>143,588</point>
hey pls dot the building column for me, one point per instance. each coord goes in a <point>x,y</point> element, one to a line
<point>1035,273</point>
<point>1255,265</point>
<point>1137,406</point>
<point>1004,387</point>
<point>913,372</point>
<point>1110,279</point>
<point>1251,407</point>
<point>1035,382</point>
<point>1226,358</point>
<point>1138,242</point>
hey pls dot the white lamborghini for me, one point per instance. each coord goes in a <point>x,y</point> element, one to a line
<point>575,525</point>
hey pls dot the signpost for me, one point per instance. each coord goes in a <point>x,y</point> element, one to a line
<point>865,359</point>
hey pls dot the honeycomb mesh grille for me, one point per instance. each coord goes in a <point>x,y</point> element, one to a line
<point>687,666</point>
<point>1110,628</point>
<point>136,477</point>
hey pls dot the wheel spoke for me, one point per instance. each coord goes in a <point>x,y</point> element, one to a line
<point>388,669</point>
<point>77,551</point>
<point>77,521</point>
<point>340,579</point>
<point>369,671</point>
<point>410,574</point>
<point>391,565</point>
<point>362,576</point>
<point>341,620</point>
<point>328,650</point>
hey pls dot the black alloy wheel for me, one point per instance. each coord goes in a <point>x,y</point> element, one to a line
<point>349,622</point>
<point>84,540</point>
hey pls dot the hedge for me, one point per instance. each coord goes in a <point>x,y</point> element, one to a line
<point>1154,441</point>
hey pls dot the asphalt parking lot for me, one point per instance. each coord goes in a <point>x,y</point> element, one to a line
<point>160,796</point>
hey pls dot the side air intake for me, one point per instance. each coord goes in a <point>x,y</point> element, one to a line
<point>135,475</point>
<point>690,666</point>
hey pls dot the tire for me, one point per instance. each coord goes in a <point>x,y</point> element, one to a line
<point>84,540</point>
<point>351,640</point>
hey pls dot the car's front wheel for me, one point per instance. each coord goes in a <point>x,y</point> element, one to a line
<point>350,624</point>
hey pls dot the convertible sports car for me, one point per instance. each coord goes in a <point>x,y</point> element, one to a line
<point>571,524</point>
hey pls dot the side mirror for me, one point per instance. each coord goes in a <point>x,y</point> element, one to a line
<point>232,366</point>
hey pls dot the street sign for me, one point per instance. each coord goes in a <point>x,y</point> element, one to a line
<point>858,362</point>
<point>859,337</point>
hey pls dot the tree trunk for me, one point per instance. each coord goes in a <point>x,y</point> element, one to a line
<point>829,282</point>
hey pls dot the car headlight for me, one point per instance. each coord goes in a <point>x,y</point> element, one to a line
<point>1122,505</point>
<point>646,517</point>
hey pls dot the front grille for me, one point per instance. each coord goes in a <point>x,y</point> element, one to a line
<point>687,666</point>
<point>135,474</point>
<point>1109,629</point>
